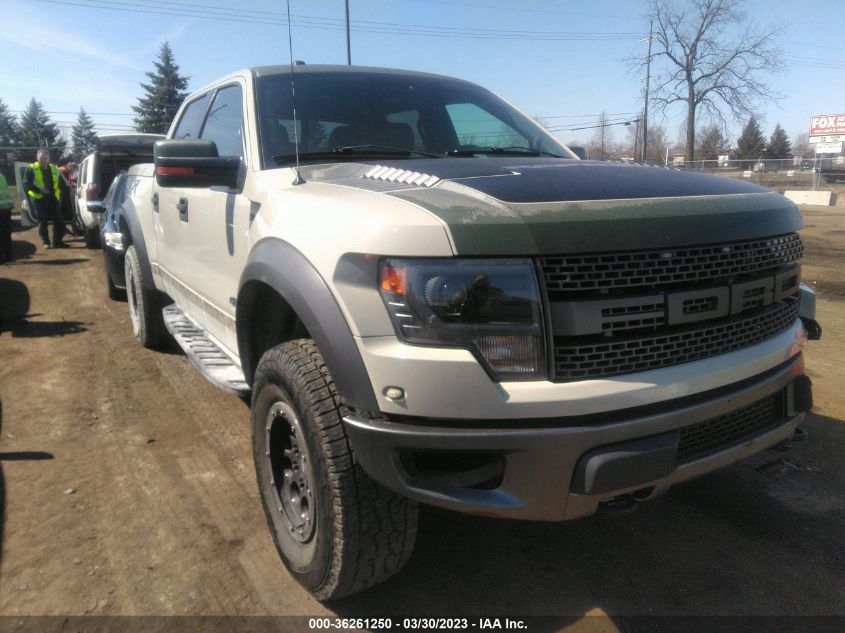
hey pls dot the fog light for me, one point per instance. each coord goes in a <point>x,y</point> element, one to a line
<point>394,393</point>
<point>511,356</point>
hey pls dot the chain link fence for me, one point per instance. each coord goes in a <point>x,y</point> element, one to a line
<point>797,173</point>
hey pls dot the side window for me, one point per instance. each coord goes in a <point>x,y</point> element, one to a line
<point>225,122</point>
<point>476,127</point>
<point>119,192</point>
<point>192,117</point>
<point>83,172</point>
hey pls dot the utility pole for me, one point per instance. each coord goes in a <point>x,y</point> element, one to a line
<point>348,44</point>
<point>647,81</point>
<point>636,140</point>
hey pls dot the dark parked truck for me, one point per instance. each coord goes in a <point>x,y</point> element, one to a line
<point>430,299</point>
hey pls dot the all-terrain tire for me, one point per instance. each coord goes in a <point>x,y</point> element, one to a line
<point>336,530</point>
<point>145,303</point>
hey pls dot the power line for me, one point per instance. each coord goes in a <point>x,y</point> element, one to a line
<point>89,113</point>
<point>815,62</point>
<point>312,22</point>
<point>525,10</point>
<point>582,116</point>
<point>593,127</point>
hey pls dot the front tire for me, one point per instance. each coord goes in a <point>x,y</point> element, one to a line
<point>145,303</point>
<point>336,530</point>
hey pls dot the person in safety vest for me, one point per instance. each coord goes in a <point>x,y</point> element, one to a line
<point>42,186</point>
<point>5,222</point>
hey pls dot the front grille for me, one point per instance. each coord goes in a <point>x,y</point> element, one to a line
<point>632,317</point>
<point>732,428</point>
<point>612,357</point>
<point>665,267</point>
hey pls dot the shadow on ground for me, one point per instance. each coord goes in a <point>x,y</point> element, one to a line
<point>53,262</point>
<point>8,457</point>
<point>14,315</point>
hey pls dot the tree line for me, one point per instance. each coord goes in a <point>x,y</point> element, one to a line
<point>21,136</point>
<point>710,143</point>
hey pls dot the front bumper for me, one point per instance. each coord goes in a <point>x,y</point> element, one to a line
<point>564,468</point>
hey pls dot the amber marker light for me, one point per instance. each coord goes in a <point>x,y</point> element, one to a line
<point>394,279</point>
<point>174,171</point>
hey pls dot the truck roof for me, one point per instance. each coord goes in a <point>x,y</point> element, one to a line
<point>284,69</point>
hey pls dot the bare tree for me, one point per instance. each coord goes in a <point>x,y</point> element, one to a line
<point>657,144</point>
<point>711,142</point>
<point>713,60</point>
<point>801,145</point>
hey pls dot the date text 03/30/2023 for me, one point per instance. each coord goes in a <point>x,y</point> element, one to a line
<point>411,624</point>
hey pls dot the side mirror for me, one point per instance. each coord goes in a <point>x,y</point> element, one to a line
<point>185,163</point>
<point>95,206</point>
<point>579,151</point>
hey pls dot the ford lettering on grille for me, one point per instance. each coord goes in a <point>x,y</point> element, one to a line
<point>714,303</point>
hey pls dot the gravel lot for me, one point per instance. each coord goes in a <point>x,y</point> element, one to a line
<point>129,490</point>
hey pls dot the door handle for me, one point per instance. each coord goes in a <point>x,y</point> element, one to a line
<point>155,202</point>
<point>182,206</point>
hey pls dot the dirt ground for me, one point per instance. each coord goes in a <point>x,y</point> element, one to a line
<point>129,490</point>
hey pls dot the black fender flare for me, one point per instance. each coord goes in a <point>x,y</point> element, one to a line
<point>136,238</point>
<point>279,265</point>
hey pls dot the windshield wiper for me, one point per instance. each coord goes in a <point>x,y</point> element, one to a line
<point>355,150</point>
<point>514,150</point>
<point>381,149</point>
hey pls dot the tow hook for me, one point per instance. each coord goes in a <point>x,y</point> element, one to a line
<point>623,504</point>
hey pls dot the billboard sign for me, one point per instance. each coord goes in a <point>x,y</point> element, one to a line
<point>828,148</point>
<point>827,124</point>
<point>832,138</point>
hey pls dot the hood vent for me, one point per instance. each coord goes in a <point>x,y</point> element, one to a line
<point>401,176</point>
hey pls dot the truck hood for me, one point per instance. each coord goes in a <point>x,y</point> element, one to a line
<point>535,206</point>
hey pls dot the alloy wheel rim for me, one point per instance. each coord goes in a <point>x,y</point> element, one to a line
<point>290,472</point>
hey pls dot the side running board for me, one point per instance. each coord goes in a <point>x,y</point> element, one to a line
<point>213,362</point>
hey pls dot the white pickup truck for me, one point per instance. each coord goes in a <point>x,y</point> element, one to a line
<point>430,299</point>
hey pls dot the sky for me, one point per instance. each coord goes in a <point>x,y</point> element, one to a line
<point>560,60</point>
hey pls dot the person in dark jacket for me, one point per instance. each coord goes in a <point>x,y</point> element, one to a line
<point>41,184</point>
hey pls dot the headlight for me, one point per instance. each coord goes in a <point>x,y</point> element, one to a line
<point>491,307</point>
<point>114,240</point>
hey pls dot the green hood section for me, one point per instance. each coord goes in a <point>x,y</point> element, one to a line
<point>482,225</point>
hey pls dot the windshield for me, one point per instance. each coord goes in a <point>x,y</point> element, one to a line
<point>381,110</point>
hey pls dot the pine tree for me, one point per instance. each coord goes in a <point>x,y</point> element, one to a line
<point>711,142</point>
<point>779,145</point>
<point>752,143</point>
<point>8,139</point>
<point>163,95</point>
<point>36,130</point>
<point>8,127</point>
<point>83,137</point>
